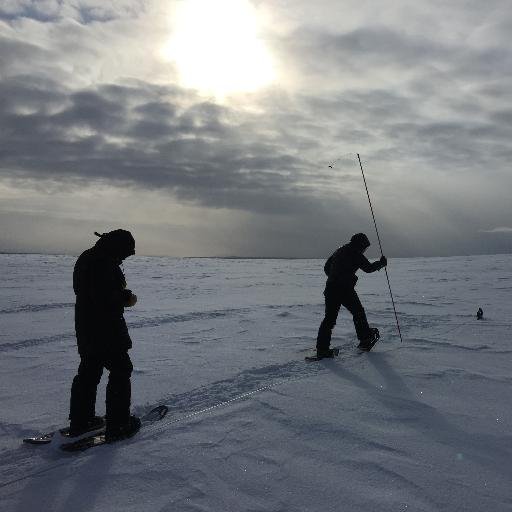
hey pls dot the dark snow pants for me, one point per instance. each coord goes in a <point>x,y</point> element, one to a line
<point>83,389</point>
<point>334,299</point>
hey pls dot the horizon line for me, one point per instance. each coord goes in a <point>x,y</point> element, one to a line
<point>232,257</point>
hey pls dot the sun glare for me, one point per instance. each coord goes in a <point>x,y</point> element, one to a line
<point>217,48</point>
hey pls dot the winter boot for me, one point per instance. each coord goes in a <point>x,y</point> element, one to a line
<point>367,343</point>
<point>79,428</point>
<point>117,432</point>
<point>327,353</point>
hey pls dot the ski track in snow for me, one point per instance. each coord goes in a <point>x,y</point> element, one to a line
<point>222,393</point>
<point>35,342</point>
<point>34,308</point>
<point>28,461</point>
<point>21,464</point>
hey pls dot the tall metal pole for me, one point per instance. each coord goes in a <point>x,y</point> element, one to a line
<point>380,245</point>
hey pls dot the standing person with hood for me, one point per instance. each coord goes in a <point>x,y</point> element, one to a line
<point>102,337</point>
<point>341,268</point>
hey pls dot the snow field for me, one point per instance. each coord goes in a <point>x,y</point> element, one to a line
<point>423,425</point>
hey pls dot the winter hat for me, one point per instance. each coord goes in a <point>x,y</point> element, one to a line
<point>118,243</point>
<point>360,240</point>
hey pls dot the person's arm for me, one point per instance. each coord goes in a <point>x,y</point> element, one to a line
<point>368,267</point>
<point>109,288</point>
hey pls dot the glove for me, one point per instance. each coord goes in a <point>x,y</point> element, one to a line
<point>383,261</point>
<point>131,301</point>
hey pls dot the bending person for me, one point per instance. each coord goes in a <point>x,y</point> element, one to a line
<point>341,268</point>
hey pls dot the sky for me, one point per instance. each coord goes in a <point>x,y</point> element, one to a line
<point>207,128</point>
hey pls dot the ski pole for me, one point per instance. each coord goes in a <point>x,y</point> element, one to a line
<point>380,245</point>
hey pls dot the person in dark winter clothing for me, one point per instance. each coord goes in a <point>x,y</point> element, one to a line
<point>341,268</point>
<point>102,336</point>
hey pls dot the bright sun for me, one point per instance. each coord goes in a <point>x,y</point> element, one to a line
<point>217,49</point>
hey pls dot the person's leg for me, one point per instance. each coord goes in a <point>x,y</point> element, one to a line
<point>332,308</point>
<point>118,396</point>
<point>351,301</point>
<point>83,390</point>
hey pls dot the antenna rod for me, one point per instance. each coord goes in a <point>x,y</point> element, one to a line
<point>380,245</point>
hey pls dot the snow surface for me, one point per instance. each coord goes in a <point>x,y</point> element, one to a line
<point>420,426</point>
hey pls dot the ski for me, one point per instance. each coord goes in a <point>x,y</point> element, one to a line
<point>335,353</point>
<point>98,439</point>
<point>64,432</point>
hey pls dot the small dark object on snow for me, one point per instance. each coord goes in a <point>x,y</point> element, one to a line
<point>479,314</point>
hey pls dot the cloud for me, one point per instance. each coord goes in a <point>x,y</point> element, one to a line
<point>422,93</point>
<point>142,135</point>
<point>83,11</point>
<point>499,229</point>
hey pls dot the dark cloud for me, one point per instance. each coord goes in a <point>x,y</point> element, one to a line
<point>83,11</point>
<point>28,9</point>
<point>138,135</point>
<point>326,52</point>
